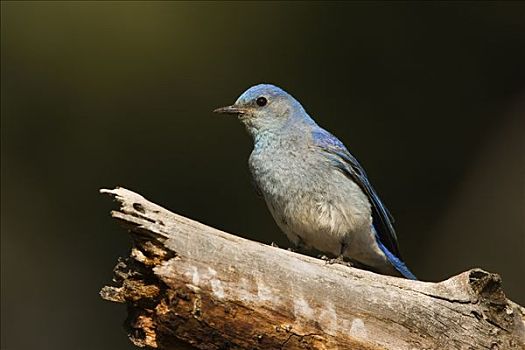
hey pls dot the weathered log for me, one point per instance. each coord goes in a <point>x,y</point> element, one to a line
<point>185,282</point>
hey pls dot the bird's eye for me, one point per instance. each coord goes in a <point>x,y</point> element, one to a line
<point>261,101</point>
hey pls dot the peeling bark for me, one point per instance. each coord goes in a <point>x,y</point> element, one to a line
<point>185,282</point>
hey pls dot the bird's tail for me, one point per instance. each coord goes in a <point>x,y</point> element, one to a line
<point>397,263</point>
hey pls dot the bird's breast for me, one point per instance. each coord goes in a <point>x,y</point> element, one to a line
<point>281,172</point>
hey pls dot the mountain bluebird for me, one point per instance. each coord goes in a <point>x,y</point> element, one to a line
<point>316,191</point>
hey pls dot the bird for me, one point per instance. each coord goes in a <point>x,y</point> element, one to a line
<point>315,189</point>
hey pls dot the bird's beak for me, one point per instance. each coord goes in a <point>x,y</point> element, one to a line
<point>230,110</point>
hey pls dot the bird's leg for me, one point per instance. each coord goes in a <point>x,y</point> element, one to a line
<point>344,245</point>
<point>340,259</point>
<point>300,246</point>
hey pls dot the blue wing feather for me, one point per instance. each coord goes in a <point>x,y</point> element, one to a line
<point>342,159</point>
<point>382,220</point>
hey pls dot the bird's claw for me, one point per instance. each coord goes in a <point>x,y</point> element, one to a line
<point>339,260</point>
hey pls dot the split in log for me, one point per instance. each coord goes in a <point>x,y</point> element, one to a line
<point>185,282</point>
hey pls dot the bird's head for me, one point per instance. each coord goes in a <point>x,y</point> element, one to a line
<point>265,107</point>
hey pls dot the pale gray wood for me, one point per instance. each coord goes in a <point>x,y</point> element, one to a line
<point>187,282</point>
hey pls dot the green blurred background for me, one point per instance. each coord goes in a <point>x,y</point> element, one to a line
<point>429,96</point>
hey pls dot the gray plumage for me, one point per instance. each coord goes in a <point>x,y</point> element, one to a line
<point>316,191</point>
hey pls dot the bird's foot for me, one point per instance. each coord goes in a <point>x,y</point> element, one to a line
<point>339,260</point>
<point>273,244</point>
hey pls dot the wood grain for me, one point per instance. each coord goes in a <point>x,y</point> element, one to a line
<point>188,283</point>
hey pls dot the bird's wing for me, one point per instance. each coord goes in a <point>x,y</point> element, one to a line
<point>344,161</point>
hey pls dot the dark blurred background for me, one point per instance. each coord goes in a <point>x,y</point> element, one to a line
<point>429,96</point>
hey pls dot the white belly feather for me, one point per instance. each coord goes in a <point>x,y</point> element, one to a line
<point>310,210</point>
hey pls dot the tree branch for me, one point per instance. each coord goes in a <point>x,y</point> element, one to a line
<point>187,282</point>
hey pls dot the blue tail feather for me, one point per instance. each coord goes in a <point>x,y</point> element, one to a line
<point>396,262</point>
